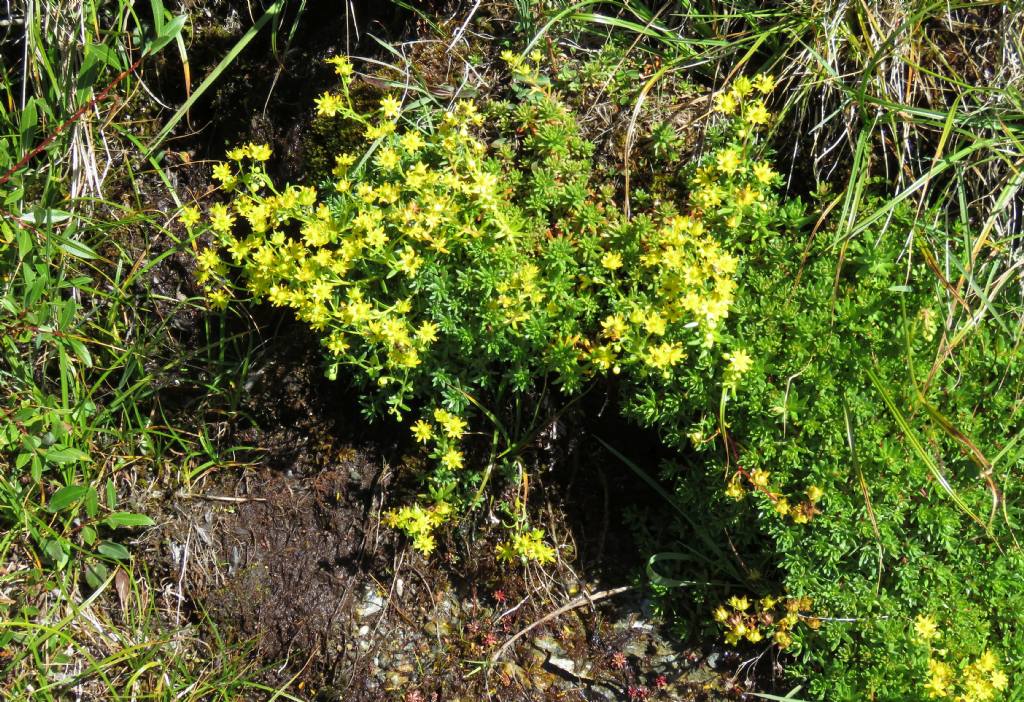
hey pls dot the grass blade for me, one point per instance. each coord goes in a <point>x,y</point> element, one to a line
<point>225,62</point>
<point>922,453</point>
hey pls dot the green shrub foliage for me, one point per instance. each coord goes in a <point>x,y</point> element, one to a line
<point>873,439</point>
<point>448,275</point>
<point>851,422</point>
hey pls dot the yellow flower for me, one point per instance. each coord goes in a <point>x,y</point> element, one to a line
<point>754,635</point>
<point>757,114</point>
<point>390,107</point>
<point>926,628</point>
<point>815,493</point>
<point>258,152</point>
<point>740,604</point>
<point>305,196</point>
<point>328,105</point>
<point>528,546</point>
<point>728,160</point>
<point>665,355</point>
<point>739,361</point>
<point>189,216</point>
<point>940,675</point>
<point>337,344</point>
<point>453,425</point>
<point>379,131</point>
<point>783,639</point>
<point>220,219</point>
<point>452,459</point>
<point>655,324</point>
<point>614,327</point>
<point>219,298</point>
<point>531,545</point>
<point>745,196</point>
<point>388,193</point>
<point>764,83</point>
<point>782,507</point>
<point>208,259</point>
<point>988,661</point>
<point>376,238</point>
<point>604,358</point>
<point>223,173</point>
<point>342,66</point>
<point>999,680</point>
<point>721,614</point>
<point>387,158</point>
<point>514,61</point>
<point>409,261</point>
<point>759,477</point>
<point>735,489</point>
<point>422,431</point>
<point>763,172</point>
<point>726,103</point>
<point>411,141</point>
<point>424,543</point>
<point>342,162</point>
<point>743,86</point>
<point>427,333</point>
<point>612,261</point>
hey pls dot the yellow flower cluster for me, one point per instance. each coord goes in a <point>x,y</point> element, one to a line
<point>446,441</point>
<point>940,679</point>
<point>331,104</point>
<point>256,152</point>
<point>424,215</point>
<point>732,188</point>
<point>687,282</point>
<point>419,523</point>
<point>977,681</point>
<point>759,481</point>
<point>752,621</point>
<point>405,214</point>
<point>342,67</point>
<point>741,99</point>
<point>526,546</point>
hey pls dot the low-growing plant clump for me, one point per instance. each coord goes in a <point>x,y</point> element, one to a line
<point>473,274</point>
<point>777,240</point>
<point>453,282</point>
<point>860,442</point>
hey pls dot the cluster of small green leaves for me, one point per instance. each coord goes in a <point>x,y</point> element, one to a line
<point>449,275</point>
<point>858,443</point>
<point>612,71</point>
<point>49,421</point>
<point>62,358</point>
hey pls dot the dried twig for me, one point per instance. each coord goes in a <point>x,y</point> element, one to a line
<point>219,498</point>
<point>574,604</point>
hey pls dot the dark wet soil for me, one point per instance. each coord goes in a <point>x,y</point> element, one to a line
<point>288,553</point>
